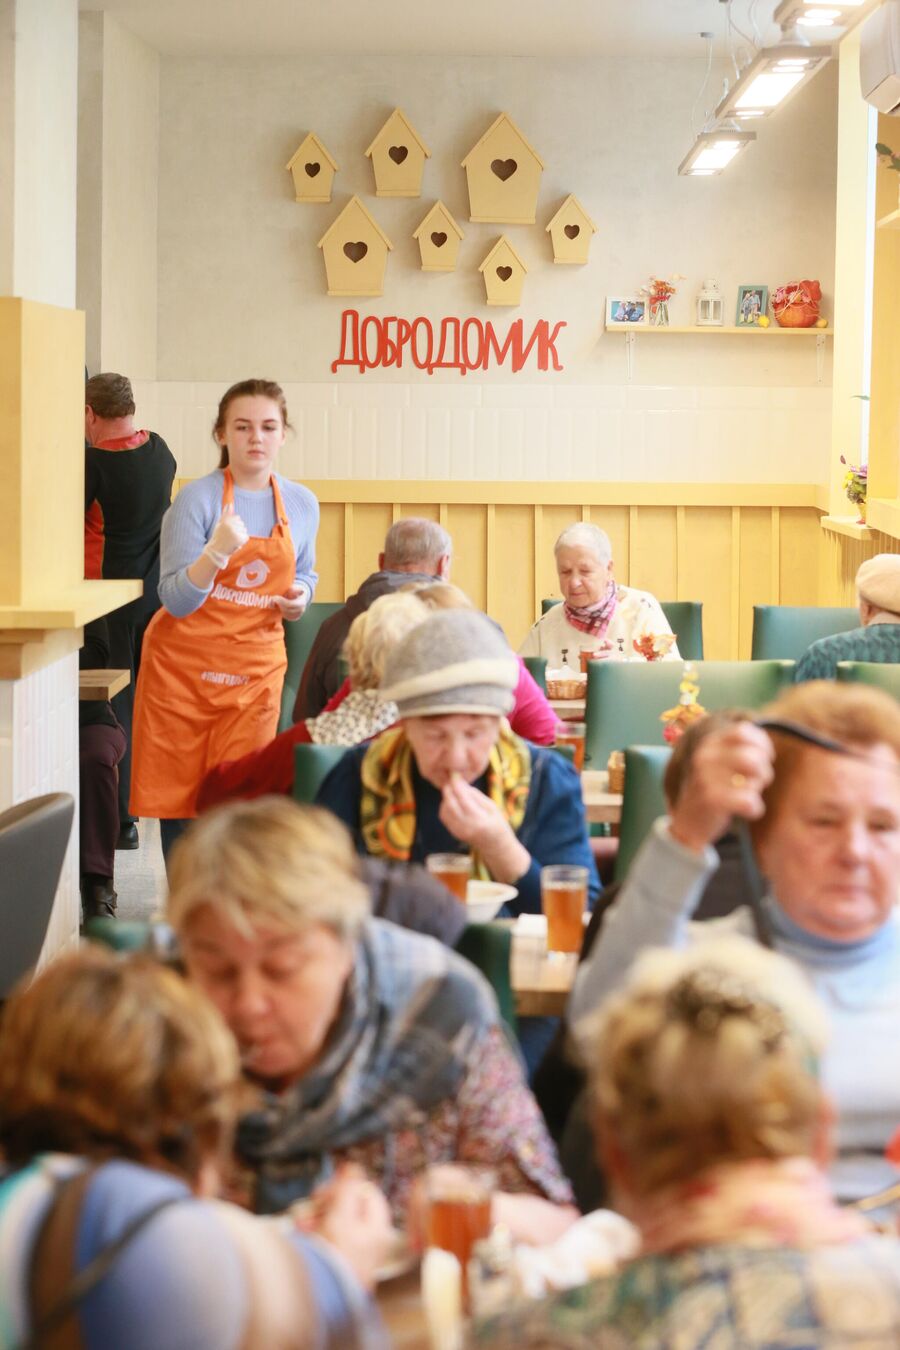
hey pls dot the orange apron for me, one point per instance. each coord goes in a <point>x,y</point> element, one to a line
<point>210,684</point>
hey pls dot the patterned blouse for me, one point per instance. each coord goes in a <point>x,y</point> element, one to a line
<point>877,642</point>
<point>721,1298</point>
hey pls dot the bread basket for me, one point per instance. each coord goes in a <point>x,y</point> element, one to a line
<point>573,687</point>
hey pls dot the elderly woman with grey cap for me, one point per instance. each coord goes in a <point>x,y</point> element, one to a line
<point>878,637</point>
<point>453,777</point>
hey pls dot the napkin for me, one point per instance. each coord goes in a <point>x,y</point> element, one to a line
<point>594,1245</point>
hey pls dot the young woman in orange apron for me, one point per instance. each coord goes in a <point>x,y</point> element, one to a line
<point>210,682</point>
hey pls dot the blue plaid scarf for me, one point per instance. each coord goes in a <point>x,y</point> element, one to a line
<point>412,1012</point>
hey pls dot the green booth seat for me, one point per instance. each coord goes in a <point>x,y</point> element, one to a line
<point>489,946</point>
<point>625,698</point>
<point>537,669</point>
<point>685,618</point>
<point>881,674</point>
<point>783,632</point>
<point>312,765</point>
<point>122,935</point>
<point>298,640</point>
<point>643,800</point>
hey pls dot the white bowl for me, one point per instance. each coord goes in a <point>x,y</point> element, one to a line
<point>484,899</point>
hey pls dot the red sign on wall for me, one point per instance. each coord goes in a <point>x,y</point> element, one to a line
<point>459,344</point>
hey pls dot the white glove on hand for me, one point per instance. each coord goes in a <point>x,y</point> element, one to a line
<point>228,536</point>
<point>293,603</point>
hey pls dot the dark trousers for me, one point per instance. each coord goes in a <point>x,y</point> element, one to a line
<point>100,750</point>
<point>125,639</point>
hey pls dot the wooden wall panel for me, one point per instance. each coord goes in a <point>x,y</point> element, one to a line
<point>427,510</point>
<point>652,551</point>
<point>468,530</point>
<point>551,520</point>
<point>330,553</point>
<point>800,543</point>
<point>364,542</point>
<point>510,569</point>
<point>760,527</point>
<point>704,573</point>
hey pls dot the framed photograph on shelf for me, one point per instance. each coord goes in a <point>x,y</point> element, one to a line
<point>752,302</point>
<point>626,309</point>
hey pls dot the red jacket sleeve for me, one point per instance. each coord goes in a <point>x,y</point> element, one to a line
<point>532,717</point>
<point>270,769</point>
<point>337,699</point>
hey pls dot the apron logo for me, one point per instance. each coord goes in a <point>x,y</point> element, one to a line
<point>252,574</point>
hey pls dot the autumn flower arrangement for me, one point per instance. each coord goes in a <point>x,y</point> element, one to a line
<point>659,293</point>
<point>856,486</point>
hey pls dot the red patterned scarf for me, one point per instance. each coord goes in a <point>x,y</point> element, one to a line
<point>594,619</point>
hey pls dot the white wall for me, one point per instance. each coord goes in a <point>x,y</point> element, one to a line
<point>242,285</point>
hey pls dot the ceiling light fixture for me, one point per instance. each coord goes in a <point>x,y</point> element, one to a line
<point>713,151</point>
<point>772,76</point>
<point>838,14</point>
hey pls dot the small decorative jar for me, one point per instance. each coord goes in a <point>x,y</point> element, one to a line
<point>710,307</point>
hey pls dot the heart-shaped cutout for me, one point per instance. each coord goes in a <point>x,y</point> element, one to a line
<point>573,231</point>
<point>356,251</point>
<point>312,169</point>
<point>504,273</point>
<point>503,168</point>
<point>438,238</point>
<point>398,153</point>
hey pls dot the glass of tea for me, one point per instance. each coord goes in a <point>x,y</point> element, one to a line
<point>453,869</point>
<point>572,733</point>
<point>564,891</point>
<point>458,1209</point>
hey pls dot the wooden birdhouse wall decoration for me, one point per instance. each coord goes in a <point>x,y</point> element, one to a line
<point>570,231</point>
<point>439,238</point>
<point>355,250</point>
<point>398,156</point>
<point>313,170</point>
<point>504,173</point>
<point>504,272</point>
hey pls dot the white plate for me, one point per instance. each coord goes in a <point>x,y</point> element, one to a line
<point>485,898</point>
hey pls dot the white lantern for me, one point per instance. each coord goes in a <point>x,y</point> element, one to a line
<point>710,310</point>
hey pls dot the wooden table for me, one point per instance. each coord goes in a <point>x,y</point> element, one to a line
<point>101,684</point>
<point>541,983</point>
<point>568,709</point>
<point>400,1304</point>
<point>601,807</point>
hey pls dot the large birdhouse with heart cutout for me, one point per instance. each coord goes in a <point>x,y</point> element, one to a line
<point>504,173</point>
<point>439,238</point>
<point>312,170</point>
<point>571,230</point>
<point>355,249</point>
<point>398,156</point>
<point>504,273</point>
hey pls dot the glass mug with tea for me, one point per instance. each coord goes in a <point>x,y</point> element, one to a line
<point>564,893</point>
<point>458,1201</point>
<point>572,733</point>
<point>453,869</point>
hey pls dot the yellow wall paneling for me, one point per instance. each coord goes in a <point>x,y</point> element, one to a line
<point>729,546</point>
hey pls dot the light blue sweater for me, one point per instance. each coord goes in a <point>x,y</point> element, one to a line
<point>189,523</point>
<point>858,982</point>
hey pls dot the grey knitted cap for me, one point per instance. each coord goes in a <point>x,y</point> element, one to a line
<point>457,661</point>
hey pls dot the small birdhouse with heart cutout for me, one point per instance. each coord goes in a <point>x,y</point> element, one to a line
<point>504,173</point>
<point>313,170</point>
<point>504,272</point>
<point>398,156</point>
<point>571,230</point>
<point>355,249</point>
<point>439,238</point>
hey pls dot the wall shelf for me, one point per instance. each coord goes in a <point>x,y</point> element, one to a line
<point>821,336</point>
<point>889,222</point>
<point>847,526</point>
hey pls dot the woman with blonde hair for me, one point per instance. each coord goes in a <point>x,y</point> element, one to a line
<point>371,1044</point>
<point>714,1131</point>
<point>119,1090</point>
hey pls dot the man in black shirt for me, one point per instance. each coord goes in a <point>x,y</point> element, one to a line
<point>128,488</point>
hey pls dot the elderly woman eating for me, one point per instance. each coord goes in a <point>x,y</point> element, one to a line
<point>453,777</point>
<point>713,1129</point>
<point>371,1044</point>
<point>826,828</point>
<point>597,615</point>
<point>119,1091</point>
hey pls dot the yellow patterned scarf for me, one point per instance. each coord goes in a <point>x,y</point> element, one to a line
<point>387,809</point>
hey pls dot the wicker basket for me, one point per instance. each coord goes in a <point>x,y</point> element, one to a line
<point>573,688</point>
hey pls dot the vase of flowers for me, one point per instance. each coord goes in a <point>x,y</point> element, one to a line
<point>856,486</point>
<point>887,157</point>
<point>659,293</point>
<point>796,305</point>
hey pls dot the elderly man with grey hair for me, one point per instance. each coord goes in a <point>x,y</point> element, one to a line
<point>878,636</point>
<point>414,550</point>
<point>596,614</point>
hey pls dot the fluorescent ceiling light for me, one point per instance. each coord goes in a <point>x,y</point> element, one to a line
<point>845,14</point>
<point>773,74</point>
<point>713,151</point>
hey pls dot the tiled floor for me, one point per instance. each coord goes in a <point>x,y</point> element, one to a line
<point>140,876</point>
